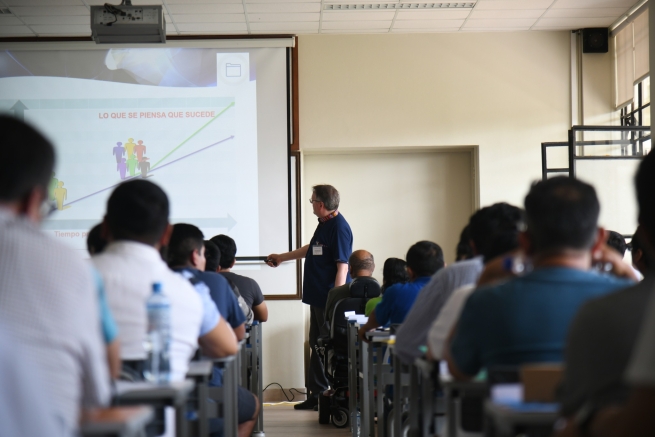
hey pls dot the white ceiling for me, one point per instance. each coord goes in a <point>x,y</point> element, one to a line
<point>186,17</point>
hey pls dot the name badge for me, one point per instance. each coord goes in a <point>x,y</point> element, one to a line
<point>317,250</point>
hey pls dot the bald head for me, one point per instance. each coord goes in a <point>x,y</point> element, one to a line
<point>361,263</point>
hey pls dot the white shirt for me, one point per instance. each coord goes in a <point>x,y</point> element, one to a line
<point>49,304</point>
<point>129,269</point>
<point>641,370</point>
<point>24,409</point>
<point>446,319</point>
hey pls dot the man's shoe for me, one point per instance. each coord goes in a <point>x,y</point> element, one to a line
<point>309,404</point>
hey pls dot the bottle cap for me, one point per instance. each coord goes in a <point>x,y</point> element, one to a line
<point>156,287</point>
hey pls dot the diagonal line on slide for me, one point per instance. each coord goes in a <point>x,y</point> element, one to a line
<point>152,171</point>
<point>192,135</point>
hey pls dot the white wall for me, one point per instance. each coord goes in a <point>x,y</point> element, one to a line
<point>504,92</point>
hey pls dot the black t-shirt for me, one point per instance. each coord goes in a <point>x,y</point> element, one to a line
<point>248,288</point>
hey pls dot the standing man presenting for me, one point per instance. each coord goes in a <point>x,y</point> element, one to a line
<point>326,266</point>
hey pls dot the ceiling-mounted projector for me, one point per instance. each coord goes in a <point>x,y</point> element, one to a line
<point>127,24</point>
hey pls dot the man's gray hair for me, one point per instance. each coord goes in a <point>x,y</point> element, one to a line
<point>328,195</point>
<point>358,263</point>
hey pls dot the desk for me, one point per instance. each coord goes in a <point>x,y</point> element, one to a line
<point>201,373</point>
<point>353,376</point>
<point>380,375</point>
<point>454,393</point>
<point>227,396</point>
<point>173,394</point>
<point>511,419</point>
<point>256,374</point>
<point>116,421</point>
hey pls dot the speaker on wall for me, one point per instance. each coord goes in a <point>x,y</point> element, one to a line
<point>595,40</point>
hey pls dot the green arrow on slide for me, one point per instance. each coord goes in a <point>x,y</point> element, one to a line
<point>191,136</point>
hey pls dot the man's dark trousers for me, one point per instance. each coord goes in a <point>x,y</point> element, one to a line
<point>315,379</point>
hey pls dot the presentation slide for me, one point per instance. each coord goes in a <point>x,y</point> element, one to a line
<point>185,119</point>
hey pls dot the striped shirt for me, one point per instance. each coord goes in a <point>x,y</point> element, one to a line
<point>48,302</point>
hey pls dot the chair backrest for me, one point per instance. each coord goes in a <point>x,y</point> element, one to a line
<point>339,324</point>
<point>365,287</point>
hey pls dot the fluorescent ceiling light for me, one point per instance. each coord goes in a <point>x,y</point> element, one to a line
<point>394,6</point>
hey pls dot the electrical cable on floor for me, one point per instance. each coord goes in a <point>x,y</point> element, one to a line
<point>284,392</point>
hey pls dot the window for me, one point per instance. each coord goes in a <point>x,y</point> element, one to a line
<point>637,113</point>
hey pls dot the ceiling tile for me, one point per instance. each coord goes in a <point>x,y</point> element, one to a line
<point>496,29</point>
<point>212,27</point>
<point>267,18</point>
<point>573,23</point>
<point>580,4</point>
<point>499,23</point>
<point>8,20</point>
<point>507,13</point>
<point>136,2</point>
<point>327,2</point>
<point>284,32</point>
<point>433,15</point>
<point>427,24</point>
<point>59,20</point>
<point>283,1</point>
<point>358,16</point>
<point>15,31</point>
<point>43,2</point>
<point>349,25</point>
<point>258,8</point>
<point>298,25</point>
<point>584,13</point>
<point>426,30</point>
<point>62,30</point>
<point>512,4</point>
<point>210,18</point>
<point>213,8</point>
<point>50,10</point>
<point>354,31</point>
<point>193,2</point>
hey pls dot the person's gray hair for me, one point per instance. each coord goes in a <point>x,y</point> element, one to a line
<point>358,263</point>
<point>328,195</point>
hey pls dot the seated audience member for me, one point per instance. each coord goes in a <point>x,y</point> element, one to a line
<point>502,238</point>
<point>616,242</point>
<point>424,259</point>
<point>464,249</point>
<point>25,411</point>
<point>137,226</point>
<point>52,310</point>
<point>212,256</point>
<point>186,255</point>
<point>525,319</point>
<point>393,272</point>
<point>637,252</point>
<point>614,364</point>
<point>248,287</point>
<point>360,264</point>
<point>483,225</point>
<point>95,244</point>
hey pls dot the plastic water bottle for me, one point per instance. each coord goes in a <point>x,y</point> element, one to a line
<point>158,367</point>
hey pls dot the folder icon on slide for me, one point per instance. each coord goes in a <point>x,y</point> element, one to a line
<point>232,70</point>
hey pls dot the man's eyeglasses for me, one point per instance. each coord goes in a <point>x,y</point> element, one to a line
<point>312,200</point>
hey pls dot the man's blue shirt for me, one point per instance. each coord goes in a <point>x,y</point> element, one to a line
<point>398,300</point>
<point>226,302</point>
<point>221,293</point>
<point>526,319</point>
<point>335,239</point>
